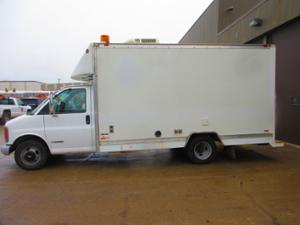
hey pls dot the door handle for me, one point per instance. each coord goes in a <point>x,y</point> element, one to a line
<point>87,119</point>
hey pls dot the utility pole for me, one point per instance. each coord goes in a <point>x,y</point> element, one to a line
<point>58,83</point>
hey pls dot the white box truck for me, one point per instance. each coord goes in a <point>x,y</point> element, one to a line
<point>141,97</point>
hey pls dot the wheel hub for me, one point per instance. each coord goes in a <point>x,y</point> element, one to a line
<point>203,150</point>
<point>31,156</point>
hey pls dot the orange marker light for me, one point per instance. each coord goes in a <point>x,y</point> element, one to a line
<point>105,39</point>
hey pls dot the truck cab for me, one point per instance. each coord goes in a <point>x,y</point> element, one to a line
<point>64,127</point>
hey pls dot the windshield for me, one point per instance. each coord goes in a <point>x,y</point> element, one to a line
<point>20,102</point>
<point>38,108</point>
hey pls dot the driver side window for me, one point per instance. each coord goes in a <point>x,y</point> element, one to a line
<point>70,101</point>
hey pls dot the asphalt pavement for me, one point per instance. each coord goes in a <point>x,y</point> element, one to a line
<point>156,187</point>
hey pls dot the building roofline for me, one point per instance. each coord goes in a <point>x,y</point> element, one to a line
<point>197,20</point>
<point>22,81</point>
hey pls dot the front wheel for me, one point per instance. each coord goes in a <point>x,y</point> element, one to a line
<point>31,155</point>
<point>201,150</point>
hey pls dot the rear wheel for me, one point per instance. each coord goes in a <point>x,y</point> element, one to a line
<point>31,155</point>
<point>201,150</point>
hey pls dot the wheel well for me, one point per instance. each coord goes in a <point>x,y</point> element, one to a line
<point>29,137</point>
<point>6,111</point>
<point>212,135</point>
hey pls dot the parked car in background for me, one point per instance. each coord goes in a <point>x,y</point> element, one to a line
<point>11,108</point>
<point>33,102</point>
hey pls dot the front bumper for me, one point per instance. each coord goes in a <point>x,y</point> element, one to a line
<point>5,149</point>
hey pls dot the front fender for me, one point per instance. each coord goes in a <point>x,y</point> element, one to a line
<point>28,136</point>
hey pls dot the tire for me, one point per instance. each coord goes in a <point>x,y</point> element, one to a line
<point>201,150</point>
<point>31,155</point>
<point>5,117</point>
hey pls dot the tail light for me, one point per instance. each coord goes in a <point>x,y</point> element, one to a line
<point>6,135</point>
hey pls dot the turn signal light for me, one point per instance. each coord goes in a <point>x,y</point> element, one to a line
<point>6,136</point>
<point>105,39</point>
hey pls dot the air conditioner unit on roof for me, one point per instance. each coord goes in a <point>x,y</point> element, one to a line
<point>143,41</point>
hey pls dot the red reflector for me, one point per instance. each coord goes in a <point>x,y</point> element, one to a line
<point>265,46</point>
<point>6,136</point>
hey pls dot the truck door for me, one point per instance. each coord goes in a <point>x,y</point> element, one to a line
<point>69,130</point>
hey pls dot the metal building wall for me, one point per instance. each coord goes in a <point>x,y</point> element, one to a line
<point>20,85</point>
<point>231,10</point>
<point>205,29</point>
<point>220,24</point>
<point>287,41</point>
<point>273,13</point>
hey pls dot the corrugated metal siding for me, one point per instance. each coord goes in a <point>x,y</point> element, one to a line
<point>205,29</point>
<point>216,25</point>
<point>273,13</point>
<point>231,10</point>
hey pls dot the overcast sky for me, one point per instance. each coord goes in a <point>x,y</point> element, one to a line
<point>43,40</point>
